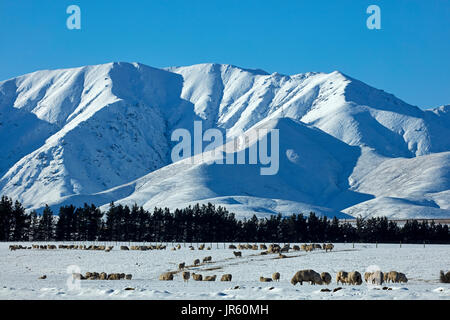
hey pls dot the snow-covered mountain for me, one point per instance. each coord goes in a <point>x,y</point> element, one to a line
<point>102,133</point>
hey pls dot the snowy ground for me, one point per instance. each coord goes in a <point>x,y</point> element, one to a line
<point>21,269</point>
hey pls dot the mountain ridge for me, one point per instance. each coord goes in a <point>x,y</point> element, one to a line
<point>78,133</point>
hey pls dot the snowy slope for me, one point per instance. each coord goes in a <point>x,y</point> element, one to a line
<point>102,133</point>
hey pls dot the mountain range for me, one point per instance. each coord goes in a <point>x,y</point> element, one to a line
<point>102,133</point>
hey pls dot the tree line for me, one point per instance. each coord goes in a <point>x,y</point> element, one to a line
<point>200,223</point>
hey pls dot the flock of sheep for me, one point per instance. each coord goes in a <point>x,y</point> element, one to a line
<point>311,276</point>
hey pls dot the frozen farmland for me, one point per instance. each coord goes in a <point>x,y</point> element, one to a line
<point>23,269</point>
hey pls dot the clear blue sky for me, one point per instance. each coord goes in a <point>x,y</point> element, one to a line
<point>408,57</point>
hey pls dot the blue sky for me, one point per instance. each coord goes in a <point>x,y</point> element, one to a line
<point>408,57</point>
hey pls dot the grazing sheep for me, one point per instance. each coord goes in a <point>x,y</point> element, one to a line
<point>376,277</point>
<point>329,247</point>
<point>262,279</point>
<point>303,247</point>
<point>306,275</point>
<point>317,246</point>
<point>226,277</point>
<point>444,277</point>
<point>103,276</point>
<point>296,248</point>
<point>354,278</point>
<point>178,246</point>
<point>197,277</point>
<point>237,253</point>
<point>201,247</point>
<point>263,253</point>
<point>186,275</point>
<point>128,276</point>
<point>196,262</point>
<point>392,276</point>
<point>210,278</point>
<point>326,277</point>
<point>113,276</point>
<point>402,278</point>
<point>181,266</point>
<point>207,259</point>
<point>342,277</point>
<point>276,276</point>
<point>231,246</point>
<point>43,277</point>
<point>167,276</point>
<point>274,248</point>
<point>262,247</point>
<point>124,248</point>
<point>285,249</point>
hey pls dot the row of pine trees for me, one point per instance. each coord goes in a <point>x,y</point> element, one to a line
<point>200,223</point>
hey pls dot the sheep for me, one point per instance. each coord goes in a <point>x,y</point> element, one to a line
<point>326,277</point>
<point>367,276</point>
<point>186,275</point>
<point>103,276</point>
<point>285,249</point>
<point>231,246</point>
<point>306,275</point>
<point>392,276</point>
<point>342,277</point>
<point>263,279</point>
<point>210,278</point>
<point>113,276</point>
<point>43,277</point>
<point>276,276</point>
<point>128,276</point>
<point>274,248</point>
<point>296,248</point>
<point>178,246</point>
<point>329,247</point>
<point>196,262</point>
<point>124,248</point>
<point>237,253</point>
<point>226,277</point>
<point>181,266</point>
<point>167,276</point>
<point>201,247</point>
<point>402,278</point>
<point>207,259</point>
<point>197,277</point>
<point>262,247</point>
<point>354,278</point>
<point>444,277</point>
<point>317,246</point>
<point>263,253</point>
<point>376,277</point>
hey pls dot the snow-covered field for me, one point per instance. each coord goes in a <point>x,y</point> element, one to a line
<point>21,269</point>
